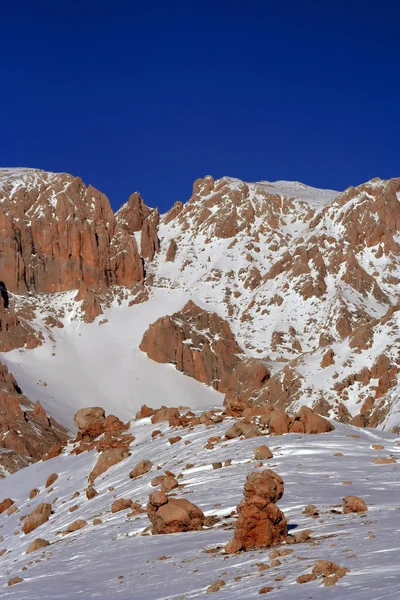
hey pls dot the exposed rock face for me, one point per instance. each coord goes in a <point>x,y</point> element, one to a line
<point>25,429</point>
<point>199,343</point>
<point>173,515</point>
<point>38,516</point>
<point>56,233</point>
<point>260,522</point>
<point>142,467</point>
<point>149,242</point>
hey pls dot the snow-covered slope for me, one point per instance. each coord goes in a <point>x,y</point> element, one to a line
<point>115,559</point>
<point>100,364</point>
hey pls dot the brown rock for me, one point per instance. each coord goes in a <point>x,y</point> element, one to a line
<point>14,580</point>
<point>198,342</point>
<point>174,439</point>
<point>51,479</point>
<point>75,526</point>
<point>171,252</point>
<point>215,586</point>
<point>141,468</point>
<point>121,504</point>
<point>5,504</point>
<point>33,493</point>
<point>90,492</point>
<point>168,484</point>
<point>262,453</point>
<point>37,517</point>
<point>37,544</point>
<point>107,459</point>
<point>165,414</point>
<point>260,522</point>
<point>173,516</point>
<point>353,504</point>
<point>145,412</point>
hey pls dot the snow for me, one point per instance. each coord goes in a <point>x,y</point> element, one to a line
<point>90,562</point>
<point>101,364</point>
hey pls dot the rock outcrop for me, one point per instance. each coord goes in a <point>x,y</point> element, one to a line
<point>197,342</point>
<point>56,233</point>
<point>260,523</point>
<point>25,429</point>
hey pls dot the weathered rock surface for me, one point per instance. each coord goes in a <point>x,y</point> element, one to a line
<point>260,523</point>
<point>199,343</point>
<point>25,429</point>
<point>37,517</point>
<point>173,515</point>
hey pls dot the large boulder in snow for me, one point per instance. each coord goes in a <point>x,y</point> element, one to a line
<point>260,522</point>
<point>37,517</point>
<point>173,515</point>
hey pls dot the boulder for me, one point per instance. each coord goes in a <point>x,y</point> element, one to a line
<point>5,504</point>
<point>262,453</point>
<point>108,459</point>
<point>142,467</point>
<point>260,523</point>
<point>173,515</point>
<point>37,517</point>
<point>121,504</point>
<point>37,544</point>
<point>354,504</point>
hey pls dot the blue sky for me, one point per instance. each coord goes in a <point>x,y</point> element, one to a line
<point>150,96</point>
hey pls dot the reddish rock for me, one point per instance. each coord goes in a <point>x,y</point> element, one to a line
<point>51,479</point>
<point>328,359</point>
<point>90,492</point>
<point>37,544</point>
<point>33,493</point>
<point>260,523</point>
<point>75,526</point>
<point>171,252</point>
<point>5,505</point>
<point>165,414</point>
<point>37,517</point>
<point>149,242</point>
<point>145,412</point>
<point>262,453</point>
<point>198,342</point>
<point>121,504</point>
<point>168,484</point>
<point>354,504</point>
<point>107,459</point>
<point>312,422</point>
<point>174,439</point>
<point>81,242</point>
<point>87,418</point>
<point>173,515</point>
<point>14,581</point>
<point>142,467</point>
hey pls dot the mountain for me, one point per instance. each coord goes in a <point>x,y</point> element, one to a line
<point>305,279</point>
<point>253,314</point>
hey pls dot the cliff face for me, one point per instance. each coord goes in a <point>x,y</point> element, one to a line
<point>56,233</point>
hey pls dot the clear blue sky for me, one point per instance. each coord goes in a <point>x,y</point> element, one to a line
<point>149,96</point>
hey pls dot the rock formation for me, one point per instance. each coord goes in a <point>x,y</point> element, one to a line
<point>199,343</point>
<point>260,523</point>
<point>173,515</point>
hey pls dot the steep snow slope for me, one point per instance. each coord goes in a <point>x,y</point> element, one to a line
<point>114,559</point>
<point>99,363</point>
